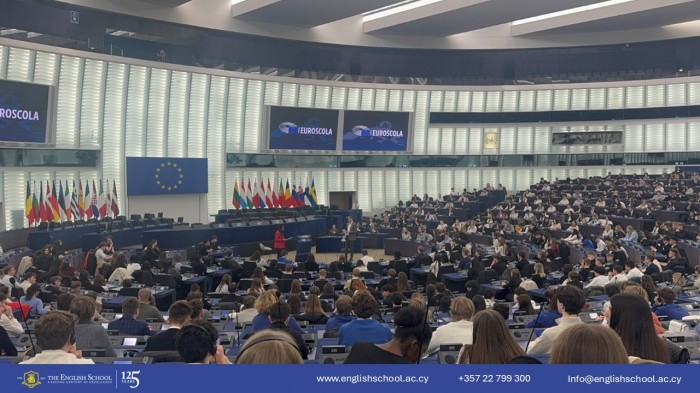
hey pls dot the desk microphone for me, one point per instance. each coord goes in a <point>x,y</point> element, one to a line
<point>425,326</point>
<point>26,326</point>
<point>537,318</point>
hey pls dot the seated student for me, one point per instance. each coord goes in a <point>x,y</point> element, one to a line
<point>279,316</point>
<point>146,308</point>
<point>389,280</point>
<point>31,299</point>
<point>313,312</point>
<point>459,331</point>
<point>340,316</point>
<point>322,279</point>
<point>408,344</point>
<point>364,328</point>
<point>492,343</point>
<point>263,304</point>
<point>664,305</point>
<point>7,319</point>
<point>128,324</point>
<point>247,312</point>
<point>29,279</point>
<point>55,334</point>
<point>179,314</point>
<point>549,317</point>
<point>588,344</point>
<point>87,334</point>
<point>54,286</point>
<point>270,347</point>
<point>472,288</point>
<point>601,278</point>
<point>7,347</point>
<point>196,344</point>
<point>283,259</point>
<point>570,301</point>
<point>231,296</point>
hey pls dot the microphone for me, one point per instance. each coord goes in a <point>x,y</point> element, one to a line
<point>537,318</point>
<point>26,326</point>
<point>425,326</point>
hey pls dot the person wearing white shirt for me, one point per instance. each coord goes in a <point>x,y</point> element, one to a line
<point>600,280</point>
<point>564,201</point>
<point>631,271</point>
<point>55,334</point>
<point>366,258</point>
<point>460,330</point>
<point>617,275</point>
<point>600,245</point>
<point>29,280</point>
<point>101,255</point>
<point>570,302</point>
<point>551,209</point>
<point>608,232</point>
<point>7,319</point>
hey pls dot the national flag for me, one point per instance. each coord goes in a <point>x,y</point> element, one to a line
<point>81,199</point>
<point>307,201</point>
<point>300,195</point>
<point>268,198</point>
<point>108,199</point>
<point>53,202</point>
<point>248,195</point>
<point>36,206</point>
<point>115,198</point>
<point>67,196</point>
<point>288,202</point>
<point>43,215</point>
<point>102,202</point>
<point>93,202</point>
<point>311,194</point>
<point>61,202</point>
<point>280,195</point>
<point>87,201</point>
<point>235,200</point>
<point>74,208</point>
<point>295,196</point>
<point>260,193</point>
<point>29,207</point>
<point>256,195</point>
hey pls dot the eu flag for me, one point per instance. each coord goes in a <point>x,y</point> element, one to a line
<point>166,176</point>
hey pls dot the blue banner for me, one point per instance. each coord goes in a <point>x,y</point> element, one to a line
<point>23,112</point>
<point>346,378</point>
<point>303,128</point>
<point>375,131</point>
<point>166,176</point>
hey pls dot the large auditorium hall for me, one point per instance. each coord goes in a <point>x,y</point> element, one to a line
<point>462,192</point>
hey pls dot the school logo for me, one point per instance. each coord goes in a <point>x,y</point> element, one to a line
<point>31,379</point>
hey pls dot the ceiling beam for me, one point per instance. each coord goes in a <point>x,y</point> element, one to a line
<point>242,7</point>
<point>413,11</point>
<point>582,17</point>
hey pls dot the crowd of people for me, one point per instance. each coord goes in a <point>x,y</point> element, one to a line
<point>549,218</point>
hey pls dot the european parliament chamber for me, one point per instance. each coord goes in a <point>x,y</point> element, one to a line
<point>391,182</point>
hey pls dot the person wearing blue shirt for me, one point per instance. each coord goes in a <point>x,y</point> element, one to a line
<point>31,299</point>
<point>341,316</point>
<point>664,305</point>
<point>546,318</point>
<point>128,324</point>
<point>364,328</point>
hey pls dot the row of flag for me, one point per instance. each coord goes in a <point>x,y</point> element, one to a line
<point>63,204</point>
<point>260,196</point>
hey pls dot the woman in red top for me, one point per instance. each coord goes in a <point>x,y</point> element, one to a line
<point>280,241</point>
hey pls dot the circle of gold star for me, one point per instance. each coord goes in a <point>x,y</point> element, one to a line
<point>169,186</point>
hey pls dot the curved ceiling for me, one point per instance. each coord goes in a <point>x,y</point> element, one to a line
<point>434,24</point>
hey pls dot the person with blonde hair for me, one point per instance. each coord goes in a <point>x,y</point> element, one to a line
<point>460,329</point>
<point>270,347</point>
<point>588,343</point>
<point>492,342</point>
<point>263,304</point>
